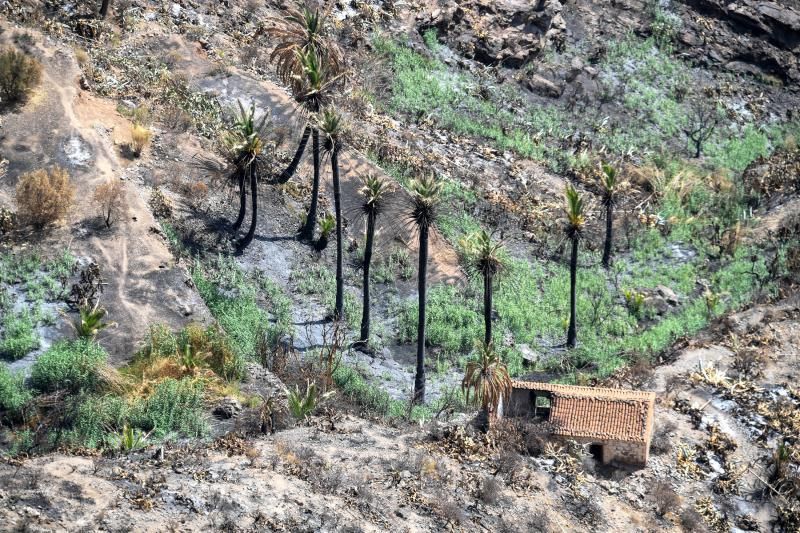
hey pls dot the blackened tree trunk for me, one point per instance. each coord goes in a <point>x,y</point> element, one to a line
<point>609,235</point>
<point>298,155</point>
<point>307,232</point>
<point>422,287</point>
<point>104,8</point>
<point>254,205</point>
<point>487,308</point>
<point>572,333</point>
<point>367,262</point>
<point>338,311</point>
<point>242,176</point>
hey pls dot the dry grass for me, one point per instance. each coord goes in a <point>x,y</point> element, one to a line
<point>140,138</point>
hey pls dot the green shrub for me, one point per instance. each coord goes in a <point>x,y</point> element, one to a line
<point>13,394</point>
<point>174,406</point>
<point>70,365</point>
<point>95,418</point>
<point>19,74</point>
<point>19,335</point>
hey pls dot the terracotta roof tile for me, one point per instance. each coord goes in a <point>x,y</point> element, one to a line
<point>606,414</point>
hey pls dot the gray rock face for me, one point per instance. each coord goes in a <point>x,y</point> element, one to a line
<point>508,33</point>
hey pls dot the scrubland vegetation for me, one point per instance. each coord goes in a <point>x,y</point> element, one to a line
<point>583,235</point>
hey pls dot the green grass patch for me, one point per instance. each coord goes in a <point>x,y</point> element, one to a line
<point>69,365</point>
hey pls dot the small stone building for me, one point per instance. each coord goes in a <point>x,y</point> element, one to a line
<point>617,424</point>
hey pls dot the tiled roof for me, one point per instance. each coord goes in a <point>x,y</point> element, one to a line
<point>605,414</point>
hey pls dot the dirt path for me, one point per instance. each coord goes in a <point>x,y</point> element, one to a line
<point>65,126</point>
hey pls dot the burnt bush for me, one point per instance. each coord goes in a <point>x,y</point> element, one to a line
<point>490,490</point>
<point>19,74</point>
<point>661,444</point>
<point>44,196</point>
<point>665,498</point>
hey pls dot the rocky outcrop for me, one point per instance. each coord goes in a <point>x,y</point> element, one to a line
<point>749,36</point>
<point>508,33</point>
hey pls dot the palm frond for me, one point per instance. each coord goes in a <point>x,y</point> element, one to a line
<point>575,212</point>
<point>483,254</point>
<point>425,199</point>
<point>486,380</point>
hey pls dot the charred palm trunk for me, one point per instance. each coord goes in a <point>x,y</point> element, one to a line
<point>609,235</point>
<point>338,311</point>
<point>367,262</point>
<point>422,287</point>
<point>307,232</point>
<point>104,8</point>
<point>242,177</point>
<point>254,206</point>
<point>298,155</point>
<point>487,308</point>
<point>572,334</point>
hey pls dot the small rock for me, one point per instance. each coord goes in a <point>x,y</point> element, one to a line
<point>227,408</point>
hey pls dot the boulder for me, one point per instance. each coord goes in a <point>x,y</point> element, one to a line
<point>544,87</point>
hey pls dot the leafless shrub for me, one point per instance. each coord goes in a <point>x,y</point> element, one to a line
<point>539,522</point>
<point>692,521</point>
<point>507,462</point>
<point>451,511</point>
<point>196,194</point>
<point>490,490</point>
<point>160,204</point>
<point>661,444</point>
<point>109,197</point>
<point>44,196</point>
<point>665,498</point>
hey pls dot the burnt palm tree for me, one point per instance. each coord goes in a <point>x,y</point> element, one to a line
<point>574,230</point>
<point>373,190</point>
<point>425,196</point>
<point>104,8</point>
<point>331,125</point>
<point>484,257</point>
<point>245,143</point>
<point>488,381</point>
<point>299,33</point>
<point>313,92</point>
<point>609,184</point>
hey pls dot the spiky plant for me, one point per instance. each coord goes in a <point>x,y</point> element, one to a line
<point>576,221</point>
<point>486,382</point>
<point>609,184</point>
<point>425,197</point>
<point>300,33</point>
<point>373,192</point>
<point>245,144</point>
<point>326,227</point>
<point>332,127</point>
<point>90,321</point>
<point>484,257</point>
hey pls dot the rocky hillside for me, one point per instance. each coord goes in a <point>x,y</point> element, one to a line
<point>164,365</point>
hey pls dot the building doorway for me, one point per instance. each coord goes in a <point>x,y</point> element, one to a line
<point>597,452</point>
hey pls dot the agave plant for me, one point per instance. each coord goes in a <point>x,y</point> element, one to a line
<point>575,223</point>
<point>90,321</point>
<point>326,227</point>
<point>245,144</point>
<point>486,382</point>
<point>373,191</point>
<point>485,257</point>
<point>425,197</point>
<point>130,439</point>
<point>302,404</point>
